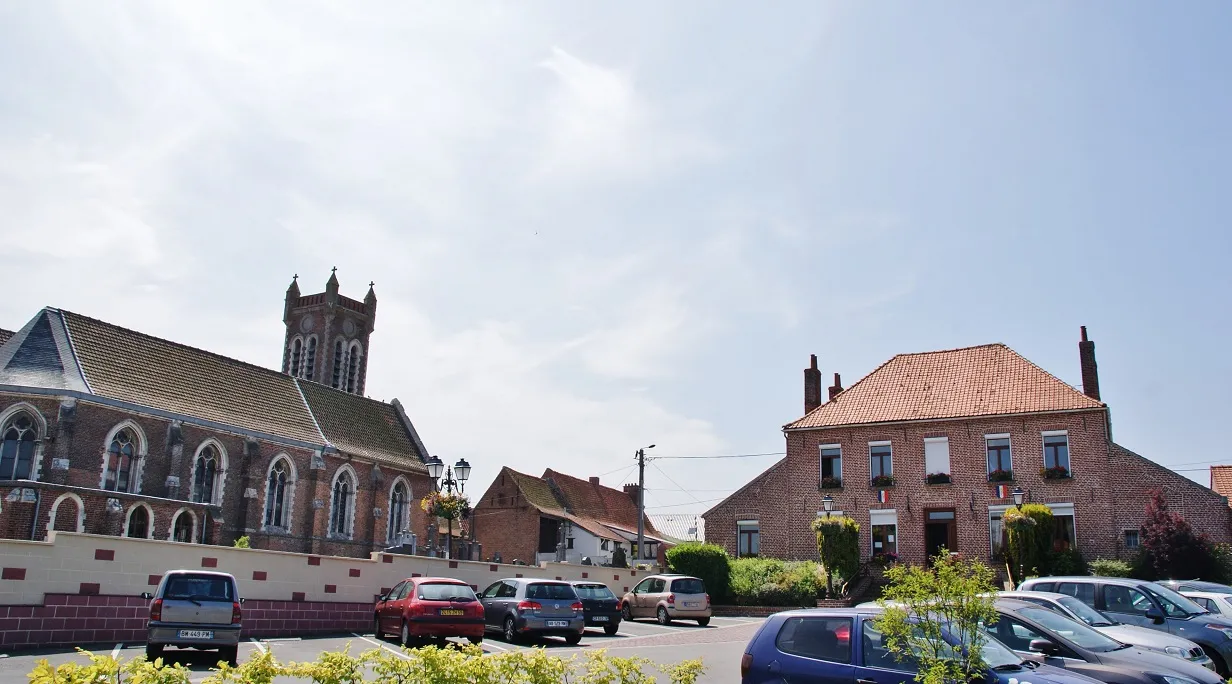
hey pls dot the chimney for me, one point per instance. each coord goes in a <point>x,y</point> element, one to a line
<point>594,481</point>
<point>631,490</point>
<point>1090,373</point>
<point>838,387</point>
<point>812,385</point>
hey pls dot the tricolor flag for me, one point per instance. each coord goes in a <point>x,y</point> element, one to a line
<point>883,496</point>
<point>1002,491</point>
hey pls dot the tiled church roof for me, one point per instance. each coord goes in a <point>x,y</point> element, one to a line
<point>976,381</point>
<point>61,350</point>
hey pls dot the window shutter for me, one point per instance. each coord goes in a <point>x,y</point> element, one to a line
<point>936,455</point>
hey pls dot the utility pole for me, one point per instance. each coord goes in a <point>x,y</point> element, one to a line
<point>641,502</point>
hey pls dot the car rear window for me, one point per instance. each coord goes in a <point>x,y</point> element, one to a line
<point>443,591</point>
<point>688,586</point>
<point>200,587</point>
<point>553,592</point>
<point>594,591</point>
<point>819,638</point>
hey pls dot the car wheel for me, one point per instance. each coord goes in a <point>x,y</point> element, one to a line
<point>573,639</point>
<point>153,652</point>
<point>626,612</point>
<point>475,640</point>
<point>702,622</point>
<point>1220,667</point>
<point>231,654</point>
<point>610,630</point>
<point>664,618</point>
<point>376,628</point>
<point>511,631</point>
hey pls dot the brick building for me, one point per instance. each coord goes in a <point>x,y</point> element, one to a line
<point>110,431</point>
<point>925,451</point>
<point>525,518</point>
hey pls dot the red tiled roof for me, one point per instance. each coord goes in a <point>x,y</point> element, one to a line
<point>1221,480</point>
<point>987,380</point>
<point>588,500</point>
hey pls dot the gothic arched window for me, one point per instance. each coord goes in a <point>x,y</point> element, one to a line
<point>342,506</point>
<point>17,449</point>
<point>339,362</point>
<point>310,359</point>
<point>354,357</point>
<point>276,513</point>
<point>121,457</point>
<point>297,350</point>
<point>182,528</point>
<point>397,510</point>
<point>205,475</point>
<point>139,522</point>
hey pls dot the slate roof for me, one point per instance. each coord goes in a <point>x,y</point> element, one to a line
<point>1221,480</point>
<point>991,379</point>
<point>5,335</point>
<point>67,351</point>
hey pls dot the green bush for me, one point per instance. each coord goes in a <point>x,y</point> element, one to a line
<point>1030,530</point>
<point>242,543</point>
<point>1110,567</point>
<point>838,545</point>
<point>707,562</point>
<point>468,664</point>
<point>772,582</point>
<point>1068,562</point>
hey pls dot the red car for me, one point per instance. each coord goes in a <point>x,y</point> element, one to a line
<point>422,608</point>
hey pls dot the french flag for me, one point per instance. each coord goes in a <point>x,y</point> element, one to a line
<point>1003,491</point>
<point>883,496</point>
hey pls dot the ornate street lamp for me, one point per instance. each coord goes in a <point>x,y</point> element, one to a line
<point>1019,495</point>
<point>444,480</point>
<point>827,502</point>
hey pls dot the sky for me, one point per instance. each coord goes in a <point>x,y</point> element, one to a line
<point>598,226</point>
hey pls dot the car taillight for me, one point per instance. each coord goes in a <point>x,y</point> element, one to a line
<point>235,613</point>
<point>746,664</point>
<point>707,599</point>
<point>671,599</point>
<point>577,607</point>
<point>156,610</point>
<point>530,606</point>
<point>413,608</point>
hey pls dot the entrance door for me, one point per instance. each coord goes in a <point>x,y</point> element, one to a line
<point>940,530</point>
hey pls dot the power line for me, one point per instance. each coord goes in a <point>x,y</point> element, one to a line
<point>768,453</point>
<point>669,479</point>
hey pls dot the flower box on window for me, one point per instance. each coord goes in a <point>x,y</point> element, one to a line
<point>885,559</point>
<point>1000,475</point>
<point>937,478</point>
<point>883,481</point>
<point>1055,473</point>
<point>831,483</point>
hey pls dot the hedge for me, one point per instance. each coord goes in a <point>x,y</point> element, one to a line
<point>465,664</point>
<point>772,582</point>
<point>1110,567</point>
<point>707,562</point>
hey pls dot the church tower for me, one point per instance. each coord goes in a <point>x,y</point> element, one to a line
<point>327,336</point>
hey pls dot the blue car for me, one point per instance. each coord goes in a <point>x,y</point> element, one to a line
<point>843,646</point>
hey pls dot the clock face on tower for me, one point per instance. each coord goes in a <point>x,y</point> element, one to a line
<point>348,327</point>
<point>306,323</point>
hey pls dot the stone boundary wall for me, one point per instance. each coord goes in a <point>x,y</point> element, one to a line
<point>86,564</point>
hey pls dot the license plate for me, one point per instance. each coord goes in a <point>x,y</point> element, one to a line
<point>599,618</point>
<point>451,611</point>
<point>690,605</point>
<point>558,623</point>
<point>195,634</point>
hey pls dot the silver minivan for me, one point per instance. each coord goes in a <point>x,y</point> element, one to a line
<point>194,609</point>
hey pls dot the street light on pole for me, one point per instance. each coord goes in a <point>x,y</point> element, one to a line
<point>450,480</point>
<point>1019,495</point>
<point>641,502</point>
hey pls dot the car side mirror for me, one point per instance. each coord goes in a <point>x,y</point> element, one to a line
<point>1042,646</point>
<point>147,595</point>
<point>1154,615</point>
<point>242,599</point>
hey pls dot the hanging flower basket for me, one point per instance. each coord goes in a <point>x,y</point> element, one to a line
<point>447,506</point>
<point>1001,476</point>
<point>1055,473</point>
<point>831,483</point>
<point>937,478</point>
<point>883,481</point>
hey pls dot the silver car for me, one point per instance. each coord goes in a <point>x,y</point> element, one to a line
<point>194,609</point>
<point>1147,639</point>
<point>521,607</point>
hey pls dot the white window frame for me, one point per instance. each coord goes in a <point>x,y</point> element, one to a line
<point>192,537</point>
<point>149,520</point>
<point>349,514</point>
<point>995,510</point>
<point>135,468</point>
<point>882,443</point>
<point>288,497</point>
<point>1069,456</point>
<point>1066,509</point>
<point>393,534</point>
<point>821,461</point>
<point>220,472</point>
<point>877,518</point>
<point>1000,435</point>
<point>40,433</point>
<point>948,465</point>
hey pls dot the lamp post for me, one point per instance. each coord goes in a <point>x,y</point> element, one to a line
<point>444,480</point>
<point>827,502</point>
<point>1018,495</point>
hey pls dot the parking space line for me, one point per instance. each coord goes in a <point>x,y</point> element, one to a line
<point>260,646</point>
<point>116,651</point>
<point>486,644</point>
<point>400,654</point>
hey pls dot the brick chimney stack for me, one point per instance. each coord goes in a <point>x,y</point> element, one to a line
<point>812,385</point>
<point>1090,372</point>
<point>594,480</point>
<point>631,490</point>
<point>837,387</point>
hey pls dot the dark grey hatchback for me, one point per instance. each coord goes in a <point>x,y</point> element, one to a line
<point>524,607</point>
<point>600,605</point>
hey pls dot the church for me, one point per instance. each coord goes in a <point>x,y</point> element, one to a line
<point>107,430</point>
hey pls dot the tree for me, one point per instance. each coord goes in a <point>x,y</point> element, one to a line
<point>707,562</point>
<point>838,544</point>
<point>1030,530</point>
<point>922,605</point>
<point>1170,547</point>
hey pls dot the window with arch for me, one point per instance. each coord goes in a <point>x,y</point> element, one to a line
<point>354,356</point>
<point>276,513</point>
<point>339,362</point>
<point>121,459</point>
<point>343,504</point>
<point>205,475</point>
<point>139,522</point>
<point>182,528</point>
<point>20,436</point>
<point>297,350</point>
<point>310,359</point>
<point>397,510</point>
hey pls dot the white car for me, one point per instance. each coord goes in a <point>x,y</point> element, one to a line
<point>1218,603</point>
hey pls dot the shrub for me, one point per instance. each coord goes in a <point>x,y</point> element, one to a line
<point>838,545</point>
<point>771,582</point>
<point>1170,547</point>
<point>242,542</point>
<point>1030,531</point>
<point>618,558</point>
<point>1067,562</point>
<point>1110,567</point>
<point>707,562</point>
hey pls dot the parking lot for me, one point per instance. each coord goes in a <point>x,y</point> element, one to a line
<point>719,645</point>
